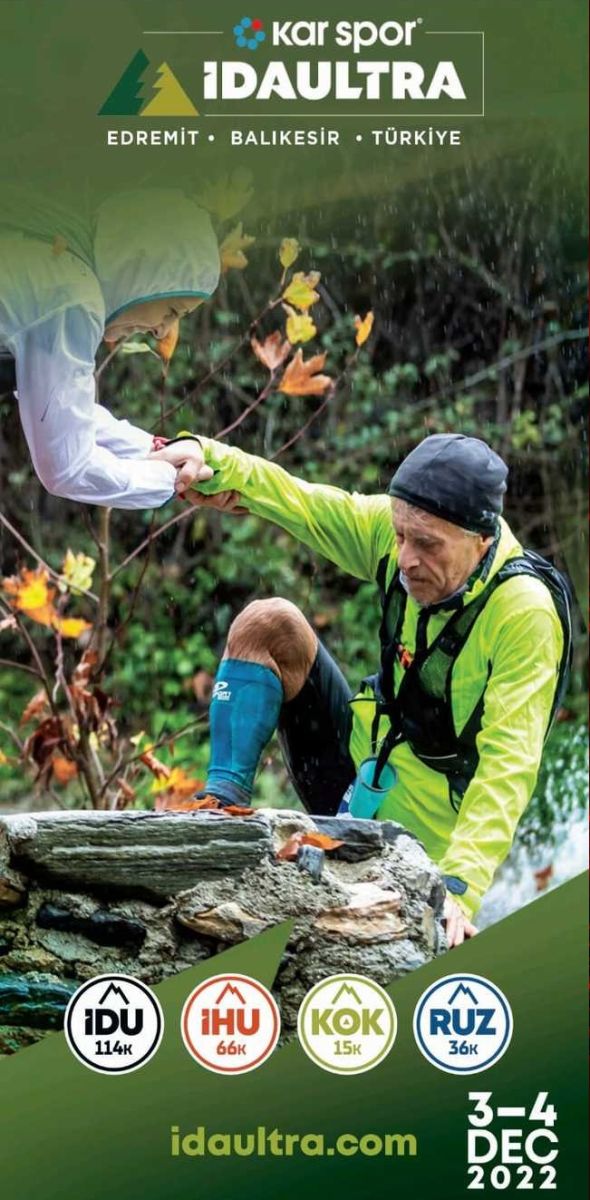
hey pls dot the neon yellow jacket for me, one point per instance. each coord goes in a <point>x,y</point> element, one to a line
<point>518,633</point>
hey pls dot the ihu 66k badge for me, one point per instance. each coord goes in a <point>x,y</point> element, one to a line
<point>230,1024</point>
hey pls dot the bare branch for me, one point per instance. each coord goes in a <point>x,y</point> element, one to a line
<point>181,516</point>
<point>7,662</point>
<point>214,370</point>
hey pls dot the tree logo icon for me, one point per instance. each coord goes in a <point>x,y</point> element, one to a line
<point>128,99</point>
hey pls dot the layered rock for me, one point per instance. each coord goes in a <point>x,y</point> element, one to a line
<point>149,894</point>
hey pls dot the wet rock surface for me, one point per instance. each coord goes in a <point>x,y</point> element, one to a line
<point>149,894</point>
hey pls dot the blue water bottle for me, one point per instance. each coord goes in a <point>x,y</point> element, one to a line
<point>365,797</point>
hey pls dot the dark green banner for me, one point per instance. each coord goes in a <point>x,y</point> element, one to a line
<point>67,1131</point>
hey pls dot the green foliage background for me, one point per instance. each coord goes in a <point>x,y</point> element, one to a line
<point>478,292</point>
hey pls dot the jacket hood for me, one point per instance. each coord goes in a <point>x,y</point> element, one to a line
<point>140,245</point>
<point>149,245</point>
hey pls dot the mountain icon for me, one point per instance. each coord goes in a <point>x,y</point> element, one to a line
<point>347,990</point>
<point>233,991</point>
<point>465,991</point>
<point>116,991</point>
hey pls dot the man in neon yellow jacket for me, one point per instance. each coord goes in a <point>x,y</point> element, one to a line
<point>471,654</point>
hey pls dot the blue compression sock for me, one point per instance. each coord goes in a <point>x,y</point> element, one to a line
<point>244,714</point>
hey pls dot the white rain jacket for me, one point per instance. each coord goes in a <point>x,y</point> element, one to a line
<point>54,305</point>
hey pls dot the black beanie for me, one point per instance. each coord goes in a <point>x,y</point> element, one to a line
<point>454,477</point>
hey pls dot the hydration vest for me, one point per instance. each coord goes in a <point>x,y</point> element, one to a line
<point>421,712</point>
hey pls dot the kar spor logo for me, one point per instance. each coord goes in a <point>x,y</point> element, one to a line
<point>249,33</point>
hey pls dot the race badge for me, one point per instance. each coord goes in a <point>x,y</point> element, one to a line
<point>347,1024</point>
<point>114,1024</point>
<point>463,1024</point>
<point>230,1024</point>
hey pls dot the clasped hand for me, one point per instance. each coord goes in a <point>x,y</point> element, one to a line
<point>187,456</point>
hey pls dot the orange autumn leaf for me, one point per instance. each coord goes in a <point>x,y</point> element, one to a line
<point>292,846</point>
<point>322,840</point>
<point>363,326</point>
<point>30,591</point>
<point>272,351</point>
<point>211,804</point>
<point>302,379</point>
<point>64,770</point>
<point>166,346</point>
<point>177,783</point>
<point>205,803</point>
<point>174,804</point>
<point>34,708</point>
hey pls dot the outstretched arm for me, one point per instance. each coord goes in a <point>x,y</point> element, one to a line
<point>78,449</point>
<point>351,530</point>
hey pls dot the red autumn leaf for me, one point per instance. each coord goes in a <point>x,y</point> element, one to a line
<point>272,351</point>
<point>290,849</point>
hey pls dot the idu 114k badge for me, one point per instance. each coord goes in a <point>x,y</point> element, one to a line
<point>463,1024</point>
<point>114,1024</point>
<point>230,1024</point>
